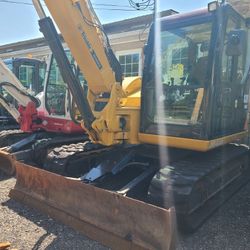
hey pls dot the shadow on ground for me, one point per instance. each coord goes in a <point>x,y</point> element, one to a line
<point>3,176</point>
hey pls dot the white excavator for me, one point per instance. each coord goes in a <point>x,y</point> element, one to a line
<point>44,116</point>
<point>30,73</point>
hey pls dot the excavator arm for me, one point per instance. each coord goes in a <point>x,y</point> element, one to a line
<point>90,47</point>
<point>84,35</point>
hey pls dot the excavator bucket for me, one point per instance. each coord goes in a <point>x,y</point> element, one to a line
<point>110,218</point>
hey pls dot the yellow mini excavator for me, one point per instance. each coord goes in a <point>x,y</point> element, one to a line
<point>172,139</point>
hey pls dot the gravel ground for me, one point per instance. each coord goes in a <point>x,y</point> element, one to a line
<point>25,228</point>
<point>228,228</point>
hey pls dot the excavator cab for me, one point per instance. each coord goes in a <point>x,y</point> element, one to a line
<point>56,89</point>
<point>200,95</point>
<point>31,73</point>
<point>58,100</point>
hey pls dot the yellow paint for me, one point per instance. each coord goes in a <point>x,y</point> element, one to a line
<point>176,71</point>
<point>187,143</point>
<point>197,106</point>
<point>84,40</point>
<point>131,85</point>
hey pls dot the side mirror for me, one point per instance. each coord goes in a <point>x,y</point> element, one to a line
<point>236,42</point>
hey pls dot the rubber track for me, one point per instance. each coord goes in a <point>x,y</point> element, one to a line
<point>7,132</point>
<point>192,185</point>
<point>67,150</point>
<point>8,127</point>
<point>8,137</point>
<point>63,159</point>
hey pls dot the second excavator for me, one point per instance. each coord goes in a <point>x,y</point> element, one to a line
<point>42,117</point>
<point>31,74</point>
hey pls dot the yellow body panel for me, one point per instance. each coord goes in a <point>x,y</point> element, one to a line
<point>132,88</point>
<point>187,143</point>
<point>197,106</point>
<point>131,85</point>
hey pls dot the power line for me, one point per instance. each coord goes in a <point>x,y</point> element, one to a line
<point>14,2</point>
<point>115,9</point>
<point>110,5</point>
<point>96,8</point>
<point>142,4</point>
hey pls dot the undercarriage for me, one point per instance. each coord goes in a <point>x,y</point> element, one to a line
<point>194,183</point>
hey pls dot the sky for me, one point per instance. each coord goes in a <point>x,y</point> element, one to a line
<point>18,21</point>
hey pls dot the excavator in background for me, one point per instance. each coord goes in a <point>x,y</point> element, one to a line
<point>46,120</point>
<point>169,143</point>
<point>31,74</point>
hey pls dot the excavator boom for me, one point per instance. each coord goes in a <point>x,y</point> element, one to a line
<point>85,36</point>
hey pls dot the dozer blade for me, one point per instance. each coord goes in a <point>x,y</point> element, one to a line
<point>112,219</point>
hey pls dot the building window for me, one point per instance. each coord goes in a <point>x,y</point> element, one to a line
<point>26,74</point>
<point>130,63</point>
<point>180,56</point>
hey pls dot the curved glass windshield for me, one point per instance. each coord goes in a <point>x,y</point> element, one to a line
<point>184,69</point>
<point>57,90</point>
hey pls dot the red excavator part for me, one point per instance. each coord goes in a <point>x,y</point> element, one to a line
<point>30,121</point>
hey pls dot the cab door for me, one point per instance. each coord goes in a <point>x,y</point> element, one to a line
<point>230,90</point>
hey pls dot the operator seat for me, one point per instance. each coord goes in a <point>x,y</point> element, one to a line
<point>199,70</point>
